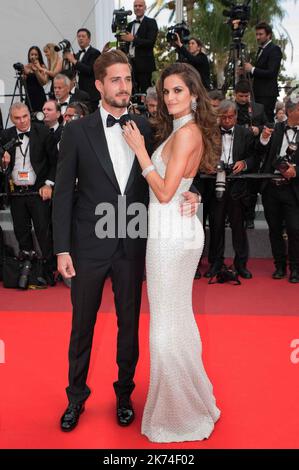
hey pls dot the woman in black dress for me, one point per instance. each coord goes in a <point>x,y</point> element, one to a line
<point>36,78</point>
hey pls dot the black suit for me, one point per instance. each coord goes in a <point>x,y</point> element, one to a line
<point>199,61</point>
<point>81,97</point>
<point>84,155</point>
<point>232,205</point>
<point>144,62</point>
<point>25,209</point>
<point>265,85</point>
<point>86,75</point>
<point>281,203</point>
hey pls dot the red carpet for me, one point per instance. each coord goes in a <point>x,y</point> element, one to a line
<point>246,332</point>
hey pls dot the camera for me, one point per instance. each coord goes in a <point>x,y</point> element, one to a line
<point>181,29</point>
<point>120,21</point>
<point>238,17</point>
<point>64,46</point>
<point>223,169</point>
<point>226,274</point>
<point>13,143</point>
<point>138,103</point>
<point>282,163</point>
<point>18,67</point>
<point>26,258</point>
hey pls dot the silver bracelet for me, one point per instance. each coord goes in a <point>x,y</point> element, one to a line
<point>147,170</point>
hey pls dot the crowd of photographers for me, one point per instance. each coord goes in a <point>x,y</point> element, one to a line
<point>259,136</point>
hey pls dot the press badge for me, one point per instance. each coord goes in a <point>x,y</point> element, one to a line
<point>23,175</point>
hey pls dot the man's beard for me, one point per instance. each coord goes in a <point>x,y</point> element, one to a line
<point>124,103</point>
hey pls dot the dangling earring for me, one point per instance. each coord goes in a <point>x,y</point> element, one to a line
<point>194,105</point>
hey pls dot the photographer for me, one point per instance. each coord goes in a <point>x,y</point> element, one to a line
<point>140,39</point>
<point>32,168</point>
<point>237,145</point>
<point>279,148</point>
<point>194,56</point>
<point>83,63</point>
<point>266,69</point>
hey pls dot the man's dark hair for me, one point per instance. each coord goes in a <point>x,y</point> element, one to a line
<point>198,41</point>
<point>242,87</point>
<point>57,105</point>
<point>216,95</point>
<point>84,30</point>
<point>265,26</point>
<point>106,60</point>
<point>79,107</point>
<point>70,73</point>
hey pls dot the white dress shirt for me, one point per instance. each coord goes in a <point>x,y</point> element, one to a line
<point>122,156</point>
<point>23,173</point>
<point>227,147</point>
<point>82,54</point>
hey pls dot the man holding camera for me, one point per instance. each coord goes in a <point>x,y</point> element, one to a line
<point>237,144</point>
<point>32,168</point>
<point>194,56</point>
<point>266,69</point>
<point>83,63</point>
<point>280,196</point>
<point>140,39</point>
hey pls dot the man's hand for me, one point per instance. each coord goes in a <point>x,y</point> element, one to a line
<point>190,205</point>
<point>128,37</point>
<point>45,192</point>
<point>65,266</point>
<point>248,67</point>
<point>266,133</point>
<point>6,160</point>
<point>290,172</point>
<point>178,41</point>
<point>239,166</point>
<point>255,130</point>
<point>70,57</point>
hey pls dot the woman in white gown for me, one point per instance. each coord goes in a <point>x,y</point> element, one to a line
<point>180,405</point>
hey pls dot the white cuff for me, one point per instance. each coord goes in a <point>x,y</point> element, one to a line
<point>63,253</point>
<point>49,183</point>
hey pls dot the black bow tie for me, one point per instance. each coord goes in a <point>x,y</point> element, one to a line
<point>64,104</point>
<point>291,128</point>
<point>224,131</point>
<point>52,129</point>
<point>81,51</point>
<point>137,21</point>
<point>21,135</point>
<point>121,121</point>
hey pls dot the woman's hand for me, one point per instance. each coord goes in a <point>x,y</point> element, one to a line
<point>133,137</point>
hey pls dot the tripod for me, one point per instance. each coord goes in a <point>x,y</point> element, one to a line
<point>20,90</point>
<point>235,60</point>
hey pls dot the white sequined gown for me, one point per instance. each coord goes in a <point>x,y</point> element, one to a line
<point>180,404</point>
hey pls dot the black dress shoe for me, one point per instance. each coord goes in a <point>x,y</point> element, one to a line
<point>124,411</point>
<point>70,417</point>
<point>213,270</point>
<point>294,276</point>
<point>279,273</point>
<point>249,224</point>
<point>243,272</point>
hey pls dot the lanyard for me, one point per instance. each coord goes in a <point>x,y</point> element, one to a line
<point>24,154</point>
<point>294,136</point>
<point>227,160</point>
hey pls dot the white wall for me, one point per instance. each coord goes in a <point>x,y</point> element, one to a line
<point>36,22</point>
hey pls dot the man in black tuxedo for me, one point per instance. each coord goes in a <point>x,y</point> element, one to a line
<point>237,144</point>
<point>32,168</point>
<point>90,234</point>
<point>83,63</point>
<point>51,110</point>
<point>141,38</point>
<point>281,196</point>
<point>266,69</point>
<point>251,115</point>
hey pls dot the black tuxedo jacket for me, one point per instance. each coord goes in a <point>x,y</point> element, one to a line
<point>266,71</point>
<point>58,133</point>
<point>268,155</point>
<point>258,116</point>
<point>86,73</point>
<point>84,155</point>
<point>81,96</point>
<point>144,43</point>
<point>43,152</point>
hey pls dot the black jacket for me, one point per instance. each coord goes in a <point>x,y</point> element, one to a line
<point>200,62</point>
<point>84,155</point>
<point>268,155</point>
<point>43,152</point>
<point>144,43</point>
<point>266,71</point>
<point>86,73</point>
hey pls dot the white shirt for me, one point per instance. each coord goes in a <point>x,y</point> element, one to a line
<point>122,156</point>
<point>23,173</point>
<point>285,143</point>
<point>134,30</point>
<point>82,54</point>
<point>63,108</point>
<point>227,147</point>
